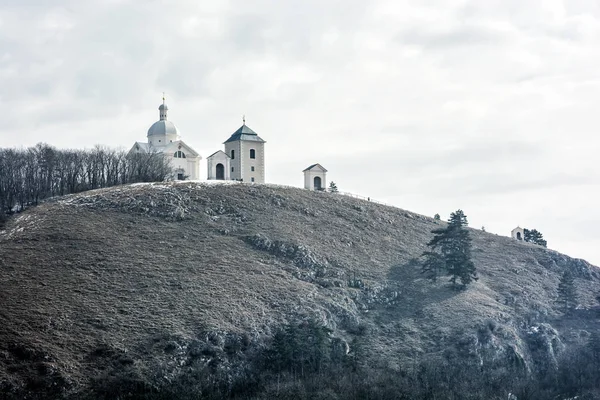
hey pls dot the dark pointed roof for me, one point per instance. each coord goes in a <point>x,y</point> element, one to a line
<point>314,166</point>
<point>244,133</point>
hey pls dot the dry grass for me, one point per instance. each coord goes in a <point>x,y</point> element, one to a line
<point>119,267</point>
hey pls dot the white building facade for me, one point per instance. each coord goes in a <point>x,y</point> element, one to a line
<point>315,177</point>
<point>163,137</point>
<point>518,233</point>
<point>246,152</point>
<point>219,166</point>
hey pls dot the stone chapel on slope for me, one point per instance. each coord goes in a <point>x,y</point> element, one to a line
<point>243,158</point>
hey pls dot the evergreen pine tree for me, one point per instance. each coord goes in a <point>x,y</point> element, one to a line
<point>278,357</point>
<point>433,265</point>
<point>594,352</point>
<point>458,219</point>
<point>567,294</point>
<point>333,187</point>
<point>317,343</point>
<point>437,217</point>
<point>457,253</point>
<point>357,353</point>
<point>534,236</point>
<point>454,245</point>
<point>594,347</point>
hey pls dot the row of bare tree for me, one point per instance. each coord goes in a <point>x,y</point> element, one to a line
<point>35,173</point>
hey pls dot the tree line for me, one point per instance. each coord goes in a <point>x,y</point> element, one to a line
<point>303,361</point>
<point>29,175</point>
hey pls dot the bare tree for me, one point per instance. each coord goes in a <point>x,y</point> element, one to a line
<point>30,175</point>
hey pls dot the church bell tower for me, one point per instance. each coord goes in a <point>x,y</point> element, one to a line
<point>247,153</point>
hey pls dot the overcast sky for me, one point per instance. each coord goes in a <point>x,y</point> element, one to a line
<point>489,106</point>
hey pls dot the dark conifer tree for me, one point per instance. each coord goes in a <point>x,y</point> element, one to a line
<point>594,346</point>
<point>567,293</point>
<point>534,236</point>
<point>433,265</point>
<point>454,246</point>
<point>458,250</point>
<point>357,353</point>
<point>316,340</point>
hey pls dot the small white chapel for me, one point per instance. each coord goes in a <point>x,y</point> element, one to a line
<point>315,177</point>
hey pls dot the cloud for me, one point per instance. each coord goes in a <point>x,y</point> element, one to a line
<point>451,37</point>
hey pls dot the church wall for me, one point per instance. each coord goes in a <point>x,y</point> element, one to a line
<point>518,233</point>
<point>188,165</point>
<point>160,141</point>
<point>258,163</point>
<point>212,165</point>
<point>309,179</point>
<point>170,138</point>
<point>236,163</point>
<point>210,168</point>
<point>194,168</point>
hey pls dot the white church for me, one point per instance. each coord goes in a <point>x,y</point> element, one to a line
<point>243,158</point>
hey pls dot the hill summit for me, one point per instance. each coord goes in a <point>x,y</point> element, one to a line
<point>127,290</point>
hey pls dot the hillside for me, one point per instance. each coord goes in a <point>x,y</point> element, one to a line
<point>149,279</point>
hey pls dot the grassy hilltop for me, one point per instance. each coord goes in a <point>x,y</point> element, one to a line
<point>127,290</point>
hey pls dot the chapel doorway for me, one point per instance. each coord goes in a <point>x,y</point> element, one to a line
<point>220,172</point>
<point>317,183</point>
<point>519,236</point>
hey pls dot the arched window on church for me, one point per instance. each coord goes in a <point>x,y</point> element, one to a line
<point>232,154</point>
<point>179,154</point>
<point>252,153</point>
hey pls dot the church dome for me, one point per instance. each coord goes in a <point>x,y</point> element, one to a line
<point>163,127</point>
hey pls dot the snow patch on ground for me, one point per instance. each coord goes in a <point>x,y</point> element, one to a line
<point>107,196</point>
<point>533,329</point>
<point>21,224</point>
<point>141,184</point>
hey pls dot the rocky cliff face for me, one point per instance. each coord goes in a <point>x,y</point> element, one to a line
<point>160,280</point>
